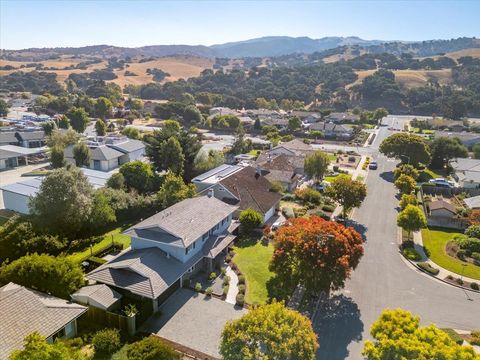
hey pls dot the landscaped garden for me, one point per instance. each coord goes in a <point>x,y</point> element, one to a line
<point>113,237</point>
<point>436,242</point>
<point>252,258</point>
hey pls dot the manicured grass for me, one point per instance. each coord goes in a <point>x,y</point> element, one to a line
<point>332,157</point>
<point>329,178</point>
<point>118,238</point>
<point>435,240</point>
<point>253,260</point>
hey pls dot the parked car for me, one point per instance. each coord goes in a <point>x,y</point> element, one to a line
<point>373,165</point>
<point>441,182</point>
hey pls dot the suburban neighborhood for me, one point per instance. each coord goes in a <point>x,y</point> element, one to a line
<point>275,198</point>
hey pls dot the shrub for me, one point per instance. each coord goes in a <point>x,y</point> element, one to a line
<point>250,219</point>
<point>288,212</point>
<point>209,291</point>
<point>106,341</point>
<point>473,231</point>
<point>288,197</point>
<point>450,277</point>
<point>241,288</point>
<point>299,212</point>
<point>225,290</point>
<point>309,195</point>
<point>223,270</point>
<point>213,275</point>
<point>411,254</point>
<point>428,268</point>
<point>459,281</point>
<point>454,336</point>
<point>226,280</point>
<point>241,279</point>
<point>461,254</point>
<point>240,299</point>
<point>328,208</point>
<point>228,258</point>
<point>471,244</point>
<point>474,286</point>
<point>475,337</point>
<point>151,348</point>
<point>198,287</point>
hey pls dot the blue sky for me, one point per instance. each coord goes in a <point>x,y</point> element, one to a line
<point>131,23</point>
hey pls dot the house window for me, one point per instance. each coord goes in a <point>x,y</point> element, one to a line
<point>59,334</point>
<point>205,236</point>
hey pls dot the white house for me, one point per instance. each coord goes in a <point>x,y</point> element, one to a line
<point>466,172</point>
<point>16,196</point>
<point>110,152</point>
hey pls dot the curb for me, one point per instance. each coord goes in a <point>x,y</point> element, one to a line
<point>414,264</point>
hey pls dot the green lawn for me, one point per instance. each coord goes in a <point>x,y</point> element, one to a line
<point>103,244</point>
<point>434,241</point>
<point>252,260</point>
<point>253,152</point>
<point>332,157</point>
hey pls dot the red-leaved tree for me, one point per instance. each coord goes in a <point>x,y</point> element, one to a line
<point>317,253</point>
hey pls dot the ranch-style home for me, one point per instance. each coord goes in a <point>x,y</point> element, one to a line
<point>110,152</point>
<point>168,248</point>
<point>24,311</point>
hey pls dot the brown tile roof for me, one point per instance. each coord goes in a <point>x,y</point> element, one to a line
<point>252,189</point>
<point>23,311</point>
<point>442,204</point>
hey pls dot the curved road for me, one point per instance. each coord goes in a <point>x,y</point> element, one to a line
<point>383,280</point>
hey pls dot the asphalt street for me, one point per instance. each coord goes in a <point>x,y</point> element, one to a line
<point>383,280</point>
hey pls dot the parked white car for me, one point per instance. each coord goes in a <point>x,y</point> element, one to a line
<point>441,182</point>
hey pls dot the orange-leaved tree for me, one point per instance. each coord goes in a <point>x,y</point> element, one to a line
<point>316,253</point>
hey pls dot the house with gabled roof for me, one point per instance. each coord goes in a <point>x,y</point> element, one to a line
<point>108,153</point>
<point>24,311</point>
<point>168,248</point>
<point>247,189</point>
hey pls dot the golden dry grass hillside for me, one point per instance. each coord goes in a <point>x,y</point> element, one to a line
<point>411,78</point>
<point>179,67</point>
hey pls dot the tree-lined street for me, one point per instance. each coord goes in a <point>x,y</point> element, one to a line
<point>383,279</point>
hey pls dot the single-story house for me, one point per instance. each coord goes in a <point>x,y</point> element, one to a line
<point>31,138</point>
<point>168,247</point>
<point>294,147</point>
<point>466,172</point>
<point>24,311</point>
<point>211,177</point>
<point>100,296</point>
<point>442,209</point>
<point>281,168</point>
<point>341,118</point>
<point>467,138</point>
<point>248,189</point>
<point>8,138</point>
<point>16,196</point>
<point>110,153</point>
<point>279,122</point>
<point>472,202</point>
<point>332,130</point>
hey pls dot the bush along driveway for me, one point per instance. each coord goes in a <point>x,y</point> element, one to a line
<point>441,265</point>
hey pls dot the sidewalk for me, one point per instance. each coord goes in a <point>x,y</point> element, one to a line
<point>443,273</point>
<point>233,286</point>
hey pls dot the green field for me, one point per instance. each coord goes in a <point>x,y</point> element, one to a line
<point>117,237</point>
<point>435,240</point>
<point>252,260</point>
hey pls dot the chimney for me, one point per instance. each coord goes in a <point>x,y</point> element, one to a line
<point>210,193</point>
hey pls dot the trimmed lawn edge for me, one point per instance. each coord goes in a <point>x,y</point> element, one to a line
<point>434,242</point>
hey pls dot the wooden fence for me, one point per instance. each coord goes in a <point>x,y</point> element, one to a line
<point>186,351</point>
<point>447,192</point>
<point>110,320</point>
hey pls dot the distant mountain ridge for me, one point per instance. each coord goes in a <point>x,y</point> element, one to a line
<point>270,46</point>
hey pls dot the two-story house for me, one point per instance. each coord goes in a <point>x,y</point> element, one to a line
<point>168,247</point>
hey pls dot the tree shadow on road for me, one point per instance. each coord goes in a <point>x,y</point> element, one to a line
<point>387,176</point>
<point>360,228</point>
<point>337,324</point>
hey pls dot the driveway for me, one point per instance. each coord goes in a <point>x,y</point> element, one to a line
<point>383,280</point>
<point>193,320</point>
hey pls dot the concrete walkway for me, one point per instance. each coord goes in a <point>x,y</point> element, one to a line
<point>443,273</point>
<point>233,286</point>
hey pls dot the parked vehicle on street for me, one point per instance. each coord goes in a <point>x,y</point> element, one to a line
<point>441,182</point>
<point>373,165</point>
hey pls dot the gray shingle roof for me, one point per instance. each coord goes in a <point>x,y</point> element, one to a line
<point>145,272</point>
<point>30,135</point>
<point>442,204</point>
<point>7,137</point>
<point>100,153</point>
<point>100,294</point>
<point>472,202</point>
<point>187,220</point>
<point>23,311</point>
<point>128,146</point>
